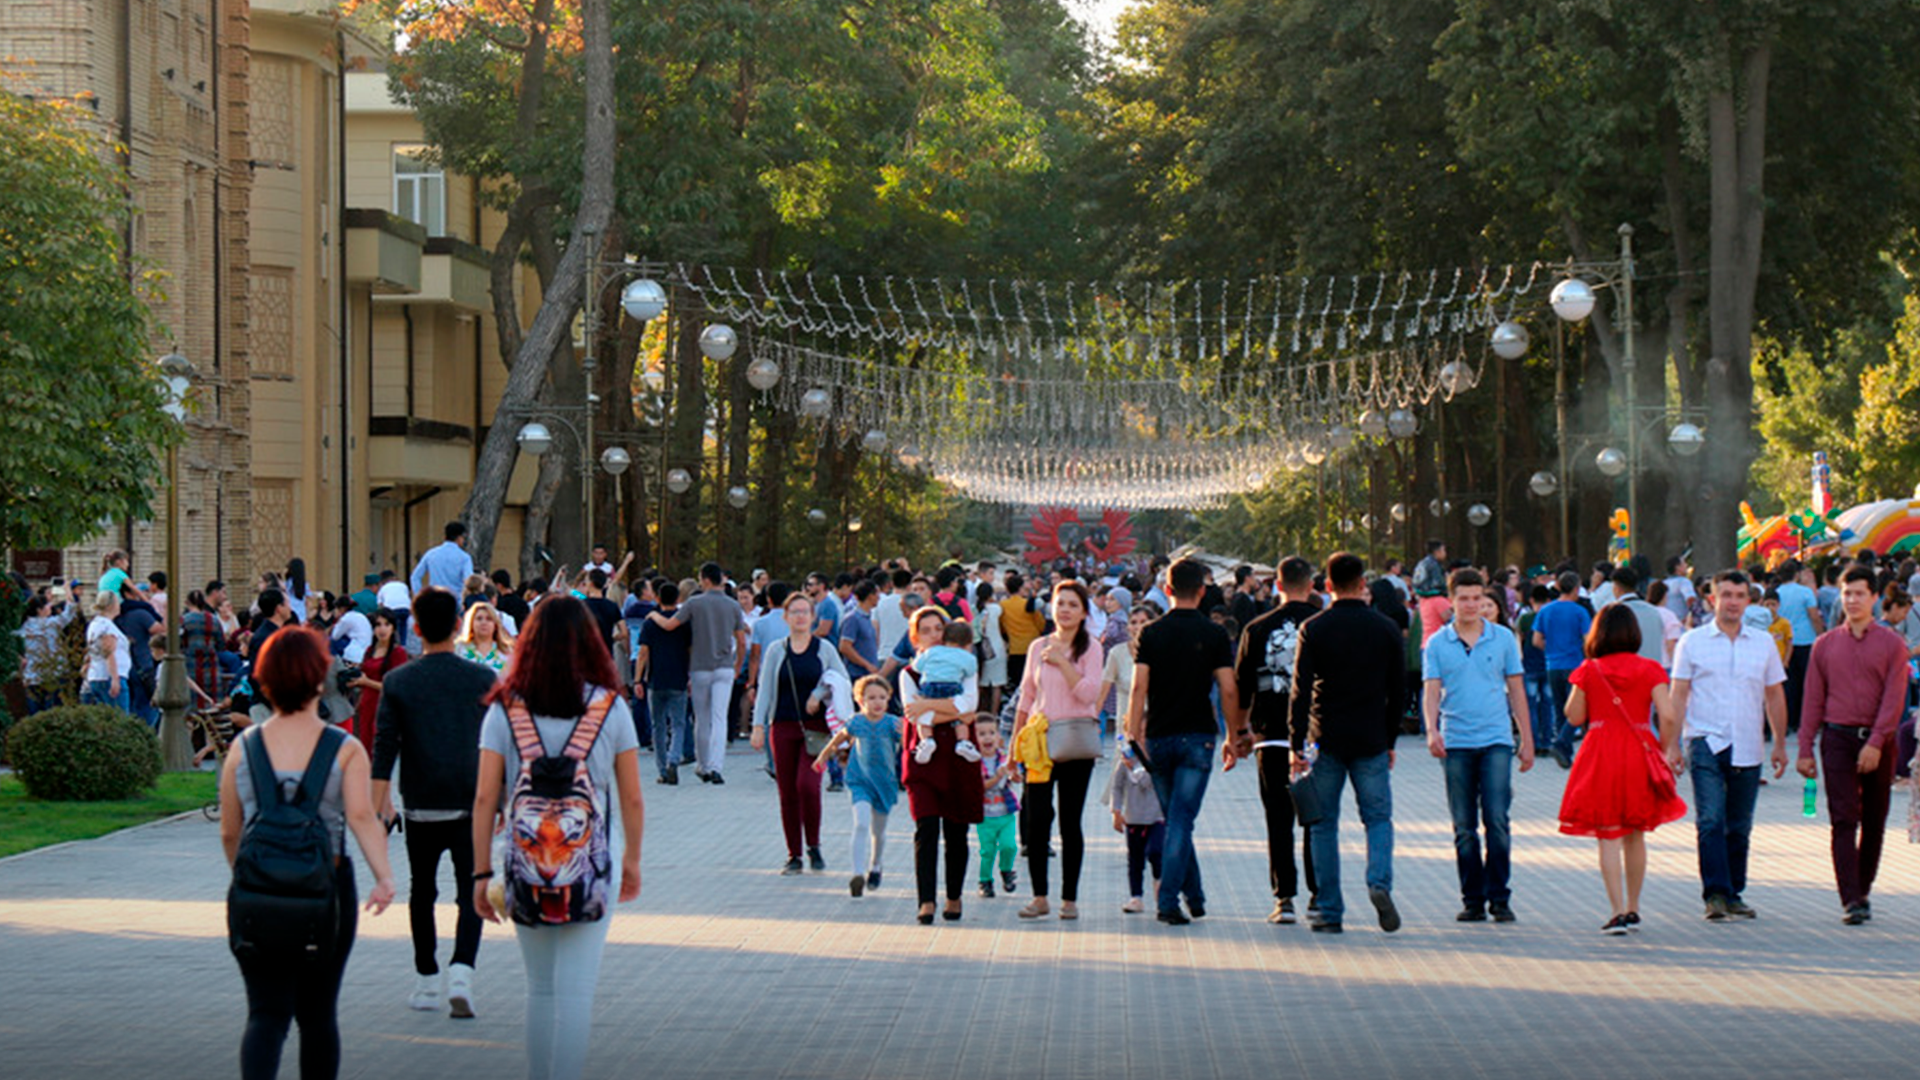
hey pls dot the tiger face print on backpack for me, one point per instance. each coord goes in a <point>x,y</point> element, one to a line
<point>558,859</point>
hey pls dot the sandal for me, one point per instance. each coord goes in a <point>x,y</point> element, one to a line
<point>1068,911</point>
<point>926,914</point>
<point>1035,909</point>
<point>952,914</point>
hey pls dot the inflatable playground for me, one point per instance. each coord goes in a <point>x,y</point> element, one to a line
<point>1885,527</point>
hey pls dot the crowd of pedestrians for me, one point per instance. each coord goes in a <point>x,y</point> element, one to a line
<point>499,730</point>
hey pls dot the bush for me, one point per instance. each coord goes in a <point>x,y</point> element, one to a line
<point>88,753</point>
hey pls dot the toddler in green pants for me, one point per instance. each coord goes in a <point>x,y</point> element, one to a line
<point>1000,808</point>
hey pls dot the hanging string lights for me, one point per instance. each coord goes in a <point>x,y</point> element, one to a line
<point>1133,396</point>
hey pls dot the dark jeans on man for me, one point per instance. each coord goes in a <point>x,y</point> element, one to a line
<point>426,841</point>
<point>1480,792</point>
<point>1857,805</point>
<point>1542,711</point>
<point>1373,790</point>
<point>1796,683</point>
<point>672,728</point>
<point>1560,686</point>
<point>1723,798</point>
<point>1276,795</point>
<point>1181,766</point>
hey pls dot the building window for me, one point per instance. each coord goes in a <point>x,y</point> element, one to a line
<point>419,189</point>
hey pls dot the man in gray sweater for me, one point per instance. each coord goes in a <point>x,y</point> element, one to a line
<point>429,718</point>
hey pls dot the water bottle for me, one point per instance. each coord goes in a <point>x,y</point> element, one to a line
<point>1810,790</point>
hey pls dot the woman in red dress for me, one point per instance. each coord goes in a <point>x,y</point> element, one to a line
<point>1621,787</point>
<point>382,657</point>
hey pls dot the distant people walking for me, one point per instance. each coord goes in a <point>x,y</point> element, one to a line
<point>484,638</point>
<point>1474,696</point>
<point>382,657</point>
<point>1345,708</point>
<point>559,703</point>
<point>872,739</point>
<point>1062,683</point>
<point>1183,657</point>
<point>1622,784</point>
<point>944,793</point>
<point>1727,686</point>
<point>660,665</point>
<point>1856,693</point>
<point>719,643</point>
<point>429,720</point>
<point>1264,674</point>
<point>791,700</point>
<point>109,664</point>
<point>292,976</point>
<point>1560,631</point>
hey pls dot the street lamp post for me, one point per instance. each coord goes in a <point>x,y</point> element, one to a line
<point>170,691</point>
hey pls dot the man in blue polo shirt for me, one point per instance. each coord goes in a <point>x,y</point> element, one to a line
<point>1560,631</point>
<point>1800,606</point>
<point>1474,693</point>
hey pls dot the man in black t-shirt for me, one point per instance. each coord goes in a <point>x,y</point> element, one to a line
<point>1264,675</point>
<point>607,614</point>
<point>1182,657</point>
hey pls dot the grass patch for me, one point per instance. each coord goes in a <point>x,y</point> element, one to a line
<point>27,823</point>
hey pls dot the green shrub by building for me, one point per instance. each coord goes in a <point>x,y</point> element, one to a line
<point>88,753</point>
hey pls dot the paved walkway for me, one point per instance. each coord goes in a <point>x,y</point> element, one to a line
<point>113,963</point>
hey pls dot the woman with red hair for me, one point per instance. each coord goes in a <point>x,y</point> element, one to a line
<point>305,986</point>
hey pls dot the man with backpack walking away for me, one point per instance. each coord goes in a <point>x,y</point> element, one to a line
<point>430,711</point>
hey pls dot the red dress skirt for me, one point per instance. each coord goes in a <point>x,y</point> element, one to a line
<point>367,710</point>
<point>948,786</point>
<point>1618,784</point>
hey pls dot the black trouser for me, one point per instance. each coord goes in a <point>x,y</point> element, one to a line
<point>1276,794</point>
<point>926,855</point>
<point>426,840</point>
<point>1071,778</point>
<point>281,991</point>
<point>1796,683</point>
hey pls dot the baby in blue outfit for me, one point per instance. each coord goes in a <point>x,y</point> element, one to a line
<point>941,672</point>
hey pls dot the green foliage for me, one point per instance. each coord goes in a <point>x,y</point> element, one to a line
<point>1887,426</point>
<point>84,753</point>
<point>84,401</point>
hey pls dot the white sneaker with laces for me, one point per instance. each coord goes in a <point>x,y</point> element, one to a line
<point>923,753</point>
<point>426,993</point>
<point>460,991</point>
<point>967,750</point>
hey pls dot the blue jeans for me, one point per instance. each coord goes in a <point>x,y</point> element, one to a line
<point>1480,791</point>
<point>672,727</point>
<point>1559,686</point>
<point>1373,791</point>
<point>1723,798</point>
<point>95,693</point>
<point>1182,765</point>
<point>1542,711</point>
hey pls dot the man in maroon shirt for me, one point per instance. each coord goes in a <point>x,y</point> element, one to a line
<point>1856,687</point>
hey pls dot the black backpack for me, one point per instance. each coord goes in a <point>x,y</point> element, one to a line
<point>283,903</point>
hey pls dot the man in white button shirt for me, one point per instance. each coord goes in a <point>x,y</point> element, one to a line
<point>1726,676</point>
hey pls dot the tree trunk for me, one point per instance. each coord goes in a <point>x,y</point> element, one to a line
<point>551,326</point>
<point>1736,151</point>
<point>687,433</point>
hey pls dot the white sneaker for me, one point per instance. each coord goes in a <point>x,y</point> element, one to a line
<point>460,991</point>
<point>426,993</point>
<point>967,750</point>
<point>923,753</point>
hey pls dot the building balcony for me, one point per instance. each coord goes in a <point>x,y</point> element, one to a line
<point>454,273</point>
<point>384,252</point>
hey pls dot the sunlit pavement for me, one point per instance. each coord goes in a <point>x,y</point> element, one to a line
<point>113,962</point>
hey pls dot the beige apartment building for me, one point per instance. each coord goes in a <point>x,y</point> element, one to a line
<point>328,281</point>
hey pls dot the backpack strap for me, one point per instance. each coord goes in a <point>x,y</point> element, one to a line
<point>587,731</point>
<point>526,736</point>
<point>260,767</point>
<point>314,783</point>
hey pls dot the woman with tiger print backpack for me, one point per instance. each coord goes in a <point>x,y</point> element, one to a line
<point>556,743</point>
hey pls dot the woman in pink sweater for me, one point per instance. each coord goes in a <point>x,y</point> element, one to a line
<point>1062,683</point>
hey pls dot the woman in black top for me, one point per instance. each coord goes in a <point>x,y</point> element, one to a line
<point>792,700</point>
